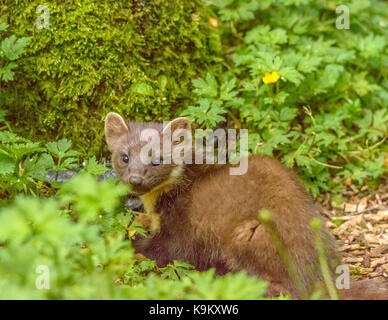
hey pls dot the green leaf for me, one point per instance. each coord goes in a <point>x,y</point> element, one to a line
<point>7,164</point>
<point>6,73</point>
<point>3,26</point>
<point>206,87</point>
<point>207,114</point>
<point>287,114</point>
<point>18,151</point>
<point>91,198</point>
<point>93,167</point>
<point>230,286</point>
<point>13,47</point>
<point>263,34</point>
<point>142,88</point>
<point>309,64</point>
<point>226,91</point>
<point>38,166</point>
<point>7,137</point>
<point>291,75</point>
<point>370,46</point>
<point>2,115</point>
<point>60,149</point>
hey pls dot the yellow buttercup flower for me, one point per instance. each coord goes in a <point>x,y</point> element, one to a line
<point>214,22</point>
<point>271,77</point>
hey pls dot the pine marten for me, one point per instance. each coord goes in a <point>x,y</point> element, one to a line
<point>202,215</point>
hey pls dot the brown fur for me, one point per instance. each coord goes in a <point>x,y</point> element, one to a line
<point>208,229</point>
<point>209,218</point>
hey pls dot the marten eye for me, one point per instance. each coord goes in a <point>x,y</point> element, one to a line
<point>156,162</point>
<point>125,158</point>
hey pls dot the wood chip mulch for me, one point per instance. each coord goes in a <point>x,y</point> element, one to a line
<point>360,225</point>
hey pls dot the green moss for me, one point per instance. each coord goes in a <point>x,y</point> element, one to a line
<point>133,57</point>
<point>356,272</point>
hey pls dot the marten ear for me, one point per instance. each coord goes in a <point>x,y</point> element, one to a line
<point>181,124</point>
<point>115,127</point>
<point>178,131</point>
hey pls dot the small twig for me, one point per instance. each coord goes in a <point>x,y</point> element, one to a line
<point>360,212</point>
<point>368,209</point>
<point>324,164</point>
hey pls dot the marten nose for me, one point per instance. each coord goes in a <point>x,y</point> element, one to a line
<point>135,180</point>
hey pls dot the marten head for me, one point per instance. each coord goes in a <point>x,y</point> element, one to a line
<point>141,152</point>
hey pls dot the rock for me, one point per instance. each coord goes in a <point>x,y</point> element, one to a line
<point>109,173</point>
<point>134,204</point>
<point>62,175</point>
<point>67,174</point>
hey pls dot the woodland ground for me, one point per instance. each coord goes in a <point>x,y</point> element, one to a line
<point>359,222</point>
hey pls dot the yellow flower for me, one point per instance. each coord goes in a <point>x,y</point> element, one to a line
<point>271,77</point>
<point>214,22</point>
<point>131,233</point>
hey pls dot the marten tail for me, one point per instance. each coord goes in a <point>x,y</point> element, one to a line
<point>365,290</point>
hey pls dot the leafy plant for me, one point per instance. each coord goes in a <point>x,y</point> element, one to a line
<point>11,49</point>
<point>78,239</point>
<point>21,161</point>
<point>310,94</point>
<point>24,164</point>
<point>79,236</point>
